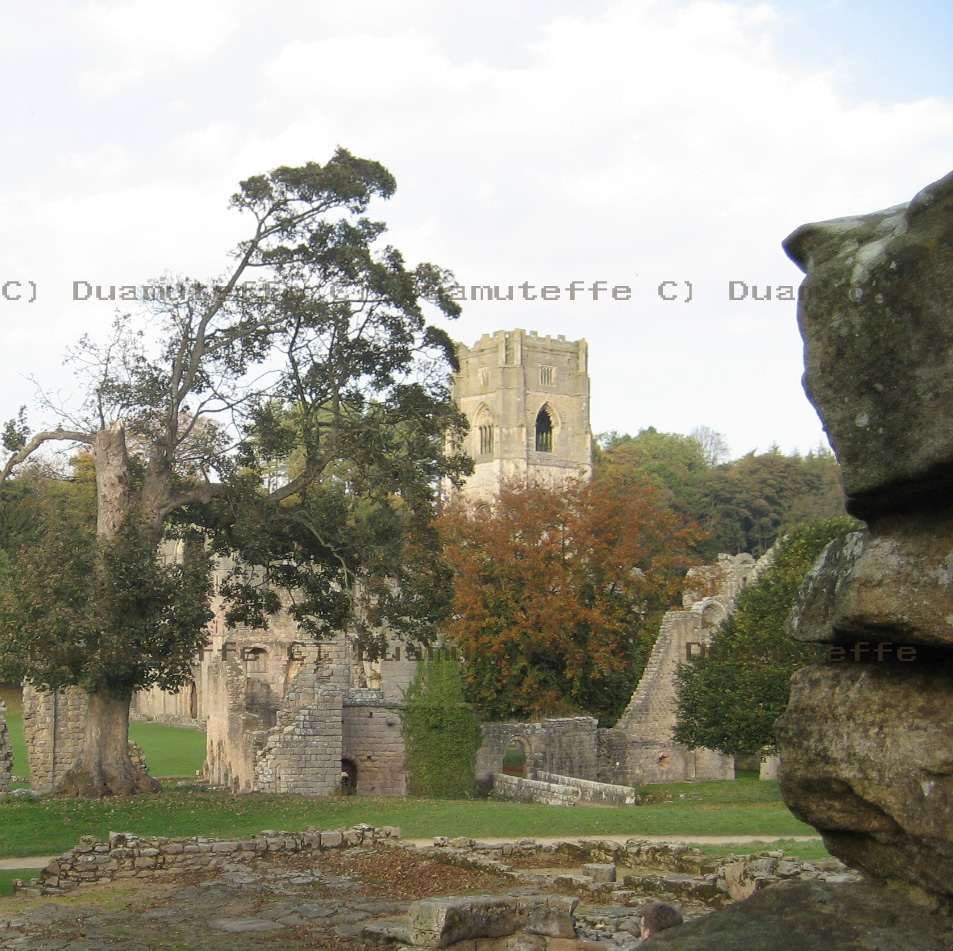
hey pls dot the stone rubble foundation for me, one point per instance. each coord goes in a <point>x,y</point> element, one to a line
<point>129,856</point>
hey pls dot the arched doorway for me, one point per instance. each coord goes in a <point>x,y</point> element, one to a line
<point>348,777</point>
<point>514,758</point>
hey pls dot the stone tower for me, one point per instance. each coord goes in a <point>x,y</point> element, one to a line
<point>527,400</point>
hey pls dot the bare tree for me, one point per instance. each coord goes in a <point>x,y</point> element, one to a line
<point>714,445</point>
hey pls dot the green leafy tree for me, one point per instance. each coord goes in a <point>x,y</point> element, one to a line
<point>183,422</point>
<point>441,733</point>
<point>744,503</point>
<point>730,698</point>
<point>741,504</point>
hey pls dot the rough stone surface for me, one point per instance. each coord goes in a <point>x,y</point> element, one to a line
<point>441,922</point>
<point>6,752</point>
<point>878,340</point>
<point>815,916</point>
<point>867,743</point>
<point>872,766</point>
<point>892,584</point>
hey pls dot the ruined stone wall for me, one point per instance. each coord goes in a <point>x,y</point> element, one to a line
<point>54,725</point>
<point>613,754</point>
<point>6,752</point>
<point>373,742</point>
<point>649,719</point>
<point>234,736</point>
<point>590,791</point>
<point>133,856</point>
<point>302,752</point>
<point>518,789</point>
<point>566,745</point>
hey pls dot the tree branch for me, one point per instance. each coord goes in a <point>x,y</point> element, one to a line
<point>38,441</point>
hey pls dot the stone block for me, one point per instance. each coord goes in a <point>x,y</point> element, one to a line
<point>441,922</point>
<point>878,346</point>
<point>867,758</point>
<point>599,872</point>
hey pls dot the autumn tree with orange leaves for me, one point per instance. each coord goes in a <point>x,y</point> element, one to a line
<point>558,592</point>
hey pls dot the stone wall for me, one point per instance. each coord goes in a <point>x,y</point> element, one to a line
<point>6,752</point>
<point>589,791</point>
<point>651,755</point>
<point>518,789</point>
<point>302,752</point>
<point>54,725</point>
<point>613,755</point>
<point>374,744</point>
<point>234,737</point>
<point>565,745</point>
<point>131,856</point>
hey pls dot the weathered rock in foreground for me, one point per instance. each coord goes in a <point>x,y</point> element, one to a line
<point>878,347</point>
<point>867,740</point>
<point>871,767</point>
<point>815,916</point>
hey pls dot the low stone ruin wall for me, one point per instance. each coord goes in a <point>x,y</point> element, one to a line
<point>517,789</point>
<point>637,870</point>
<point>594,792</point>
<point>6,752</point>
<point>132,856</point>
<point>169,719</point>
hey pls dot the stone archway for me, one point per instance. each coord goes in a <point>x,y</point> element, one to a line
<point>516,758</point>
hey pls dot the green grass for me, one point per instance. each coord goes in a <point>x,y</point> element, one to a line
<point>170,750</point>
<point>809,851</point>
<point>21,765</point>
<point>7,876</point>
<point>51,825</point>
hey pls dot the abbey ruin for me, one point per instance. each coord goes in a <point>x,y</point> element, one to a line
<point>284,713</point>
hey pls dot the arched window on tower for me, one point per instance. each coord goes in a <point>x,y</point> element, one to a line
<point>484,428</point>
<point>544,431</point>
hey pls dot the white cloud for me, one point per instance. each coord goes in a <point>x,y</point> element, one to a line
<point>627,141</point>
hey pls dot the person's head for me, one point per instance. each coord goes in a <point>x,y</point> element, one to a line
<point>657,917</point>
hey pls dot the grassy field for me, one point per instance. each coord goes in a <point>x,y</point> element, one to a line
<point>170,751</point>
<point>51,825</point>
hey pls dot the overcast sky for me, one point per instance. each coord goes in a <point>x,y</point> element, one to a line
<point>631,142</point>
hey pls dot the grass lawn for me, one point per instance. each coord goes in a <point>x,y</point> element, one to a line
<point>170,750</point>
<point>52,825</point>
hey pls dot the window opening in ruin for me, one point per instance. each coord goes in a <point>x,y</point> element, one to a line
<point>256,660</point>
<point>514,759</point>
<point>547,375</point>
<point>544,431</point>
<point>348,777</point>
<point>486,439</point>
